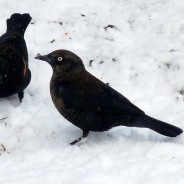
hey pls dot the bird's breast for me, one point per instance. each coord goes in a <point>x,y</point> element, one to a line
<point>57,97</point>
<point>71,114</point>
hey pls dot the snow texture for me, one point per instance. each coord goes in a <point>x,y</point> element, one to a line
<point>137,46</point>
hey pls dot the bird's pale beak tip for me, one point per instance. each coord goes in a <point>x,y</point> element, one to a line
<point>43,58</point>
<point>38,56</point>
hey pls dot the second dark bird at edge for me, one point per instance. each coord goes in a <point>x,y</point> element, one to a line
<point>15,75</point>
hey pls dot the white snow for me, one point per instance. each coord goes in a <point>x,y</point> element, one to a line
<point>147,45</point>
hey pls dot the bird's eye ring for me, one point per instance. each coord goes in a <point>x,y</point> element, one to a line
<point>59,58</point>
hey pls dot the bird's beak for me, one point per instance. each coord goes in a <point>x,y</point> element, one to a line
<point>44,58</point>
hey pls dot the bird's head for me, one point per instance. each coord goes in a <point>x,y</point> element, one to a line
<point>63,61</point>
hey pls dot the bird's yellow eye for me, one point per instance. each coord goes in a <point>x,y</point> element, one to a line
<point>59,58</point>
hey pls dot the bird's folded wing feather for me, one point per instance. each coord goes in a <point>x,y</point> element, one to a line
<point>106,100</point>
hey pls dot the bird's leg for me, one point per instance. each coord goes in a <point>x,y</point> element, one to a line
<point>21,95</point>
<point>85,134</point>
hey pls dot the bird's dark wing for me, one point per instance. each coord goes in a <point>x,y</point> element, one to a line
<point>105,100</point>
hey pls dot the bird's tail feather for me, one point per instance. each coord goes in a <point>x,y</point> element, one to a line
<point>18,21</point>
<point>157,125</point>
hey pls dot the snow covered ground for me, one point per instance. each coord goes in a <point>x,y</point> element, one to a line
<point>142,57</point>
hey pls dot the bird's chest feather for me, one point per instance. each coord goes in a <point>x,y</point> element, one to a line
<point>59,93</point>
<point>56,95</point>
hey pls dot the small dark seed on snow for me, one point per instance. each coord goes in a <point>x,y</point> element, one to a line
<point>52,41</point>
<point>172,50</point>
<point>110,26</point>
<point>114,59</point>
<point>90,62</point>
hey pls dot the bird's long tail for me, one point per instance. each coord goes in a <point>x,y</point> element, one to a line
<point>18,22</point>
<point>156,125</point>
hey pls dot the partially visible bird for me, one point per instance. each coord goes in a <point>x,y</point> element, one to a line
<point>14,72</point>
<point>92,105</point>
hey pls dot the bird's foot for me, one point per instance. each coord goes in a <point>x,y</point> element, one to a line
<point>21,96</point>
<point>85,134</point>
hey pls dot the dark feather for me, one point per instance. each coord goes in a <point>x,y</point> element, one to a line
<point>14,72</point>
<point>105,100</point>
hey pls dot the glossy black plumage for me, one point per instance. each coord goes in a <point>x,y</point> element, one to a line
<point>89,103</point>
<point>14,72</point>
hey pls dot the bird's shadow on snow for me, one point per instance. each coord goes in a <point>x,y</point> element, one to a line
<point>122,134</point>
<point>11,100</point>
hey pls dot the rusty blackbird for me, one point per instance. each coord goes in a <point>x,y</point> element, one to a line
<point>14,72</point>
<point>90,104</point>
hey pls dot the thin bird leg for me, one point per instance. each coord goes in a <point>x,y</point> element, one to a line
<point>85,134</point>
<point>21,95</point>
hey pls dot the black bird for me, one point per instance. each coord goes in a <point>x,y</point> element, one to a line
<point>89,103</point>
<point>14,72</point>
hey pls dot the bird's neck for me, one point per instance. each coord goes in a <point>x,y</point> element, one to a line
<point>61,77</point>
<point>68,76</point>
